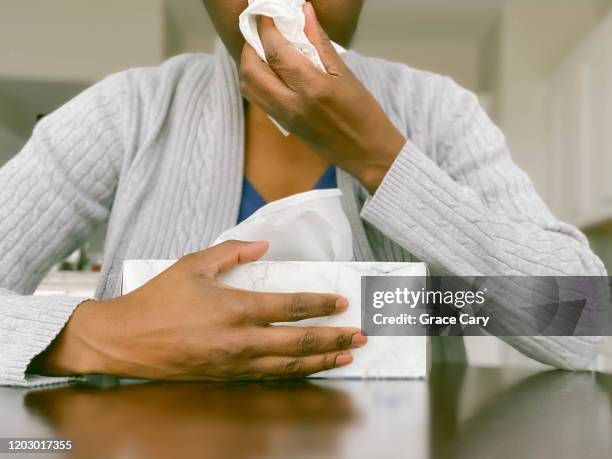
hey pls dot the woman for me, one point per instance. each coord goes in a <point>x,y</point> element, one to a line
<point>163,154</point>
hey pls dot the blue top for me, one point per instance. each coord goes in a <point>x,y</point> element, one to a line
<point>251,200</point>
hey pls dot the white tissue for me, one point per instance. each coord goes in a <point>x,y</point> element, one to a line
<point>310,226</point>
<point>288,16</point>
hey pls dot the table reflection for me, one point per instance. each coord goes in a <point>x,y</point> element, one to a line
<point>197,420</point>
<point>550,414</point>
<point>459,412</point>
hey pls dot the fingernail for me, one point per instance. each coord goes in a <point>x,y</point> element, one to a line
<point>344,359</point>
<point>341,304</point>
<point>359,340</point>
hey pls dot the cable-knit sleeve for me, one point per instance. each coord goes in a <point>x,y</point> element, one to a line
<point>52,194</point>
<point>466,209</point>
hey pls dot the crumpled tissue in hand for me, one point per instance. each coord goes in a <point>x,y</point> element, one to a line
<point>288,16</point>
<point>309,226</point>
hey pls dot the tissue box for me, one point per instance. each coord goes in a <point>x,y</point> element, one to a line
<point>383,357</point>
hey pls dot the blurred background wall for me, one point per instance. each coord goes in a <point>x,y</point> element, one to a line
<point>542,69</point>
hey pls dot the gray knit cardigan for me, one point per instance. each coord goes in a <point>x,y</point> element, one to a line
<point>159,154</point>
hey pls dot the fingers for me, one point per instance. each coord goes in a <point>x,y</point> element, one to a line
<point>299,367</point>
<point>283,58</point>
<point>303,341</point>
<point>317,36</point>
<point>292,307</point>
<point>226,255</point>
<point>259,84</point>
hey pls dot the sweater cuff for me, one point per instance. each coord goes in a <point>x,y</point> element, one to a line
<point>28,325</point>
<point>419,206</point>
<point>401,182</point>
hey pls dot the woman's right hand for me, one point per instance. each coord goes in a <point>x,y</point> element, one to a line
<point>185,325</point>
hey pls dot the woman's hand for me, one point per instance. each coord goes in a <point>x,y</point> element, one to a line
<point>333,113</point>
<point>184,325</point>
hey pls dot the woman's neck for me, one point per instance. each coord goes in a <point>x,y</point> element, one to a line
<point>277,166</point>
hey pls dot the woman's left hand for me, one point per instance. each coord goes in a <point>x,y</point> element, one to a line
<point>333,113</point>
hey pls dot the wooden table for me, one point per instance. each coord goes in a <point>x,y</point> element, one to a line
<point>459,412</point>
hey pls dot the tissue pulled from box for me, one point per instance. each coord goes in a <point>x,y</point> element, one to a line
<point>289,19</point>
<point>309,226</point>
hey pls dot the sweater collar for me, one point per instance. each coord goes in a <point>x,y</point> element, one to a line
<point>221,137</point>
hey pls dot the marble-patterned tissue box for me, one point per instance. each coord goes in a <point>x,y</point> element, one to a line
<point>383,357</point>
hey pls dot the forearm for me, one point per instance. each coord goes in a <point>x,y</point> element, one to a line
<point>53,193</point>
<point>446,224</point>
